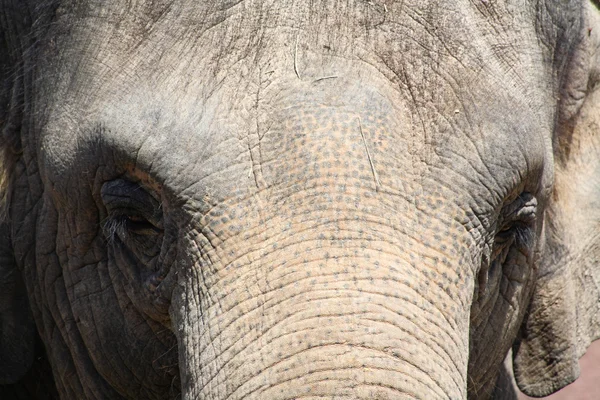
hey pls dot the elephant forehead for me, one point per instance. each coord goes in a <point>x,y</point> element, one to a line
<point>230,114</point>
<point>250,135</point>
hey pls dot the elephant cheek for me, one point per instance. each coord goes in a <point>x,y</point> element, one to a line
<point>366,326</point>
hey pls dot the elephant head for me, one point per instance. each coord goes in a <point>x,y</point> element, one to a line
<point>277,200</point>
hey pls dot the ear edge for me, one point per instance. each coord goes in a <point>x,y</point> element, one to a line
<point>536,355</point>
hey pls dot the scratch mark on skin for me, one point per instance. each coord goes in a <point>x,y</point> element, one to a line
<point>254,139</point>
<point>325,77</point>
<point>377,183</point>
<point>255,167</point>
<point>296,56</point>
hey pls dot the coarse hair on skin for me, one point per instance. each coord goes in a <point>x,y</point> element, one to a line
<point>10,144</point>
<point>112,227</point>
<point>10,149</point>
<point>3,188</point>
<point>5,168</point>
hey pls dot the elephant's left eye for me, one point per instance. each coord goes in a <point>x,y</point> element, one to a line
<point>134,218</point>
<point>139,225</point>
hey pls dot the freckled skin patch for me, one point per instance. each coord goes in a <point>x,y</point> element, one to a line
<point>324,247</point>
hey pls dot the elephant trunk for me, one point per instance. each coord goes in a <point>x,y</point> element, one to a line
<point>324,279</point>
<point>326,313</point>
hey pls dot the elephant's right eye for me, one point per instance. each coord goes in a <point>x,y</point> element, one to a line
<point>134,218</point>
<point>511,248</point>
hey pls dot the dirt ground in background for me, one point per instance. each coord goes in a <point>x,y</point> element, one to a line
<point>587,387</point>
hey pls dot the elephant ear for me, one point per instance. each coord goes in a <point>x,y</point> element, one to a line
<point>564,314</point>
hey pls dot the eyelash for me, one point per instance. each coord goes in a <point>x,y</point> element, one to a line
<point>519,235</point>
<point>113,226</point>
<point>123,224</point>
<point>523,236</point>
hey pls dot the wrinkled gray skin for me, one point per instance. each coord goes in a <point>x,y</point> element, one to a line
<point>281,200</point>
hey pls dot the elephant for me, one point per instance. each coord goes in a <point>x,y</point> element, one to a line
<point>260,199</point>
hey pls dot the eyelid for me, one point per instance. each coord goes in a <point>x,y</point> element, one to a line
<point>125,198</point>
<point>528,211</point>
<point>141,226</point>
<point>523,208</point>
<point>134,216</point>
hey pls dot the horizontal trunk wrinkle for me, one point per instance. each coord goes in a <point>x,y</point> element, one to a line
<point>324,324</point>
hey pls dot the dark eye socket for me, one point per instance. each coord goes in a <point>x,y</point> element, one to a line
<point>517,219</point>
<point>135,242</point>
<point>131,209</point>
<point>139,225</point>
<point>511,229</point>
<point>514,239</point>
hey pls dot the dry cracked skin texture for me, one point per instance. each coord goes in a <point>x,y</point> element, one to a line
<point>321,157</point>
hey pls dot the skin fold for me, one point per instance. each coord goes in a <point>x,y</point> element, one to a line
<point>282,200</point>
